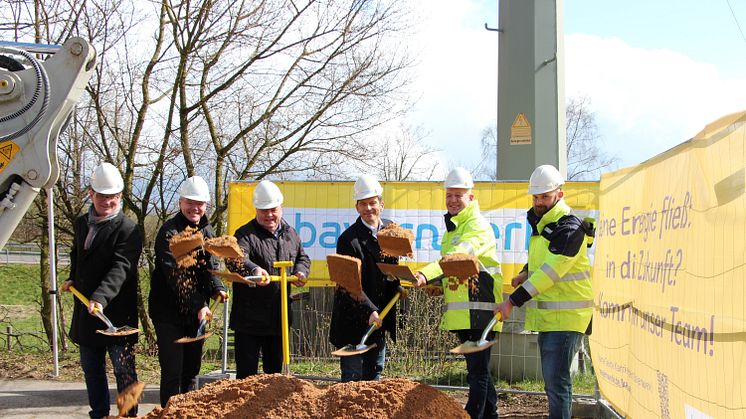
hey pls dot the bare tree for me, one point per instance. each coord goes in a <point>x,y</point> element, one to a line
<point>402,156</point>
<point>585,157</point>
<point>485,168</point>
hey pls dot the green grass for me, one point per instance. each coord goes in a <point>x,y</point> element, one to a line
<point>17,283</point>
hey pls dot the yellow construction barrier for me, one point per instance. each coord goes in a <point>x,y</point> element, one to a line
<point>669,330</point>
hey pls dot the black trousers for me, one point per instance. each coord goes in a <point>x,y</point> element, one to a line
<point>247,354</point>
<point>180,362</point>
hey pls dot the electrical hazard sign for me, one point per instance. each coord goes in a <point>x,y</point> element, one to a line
<point>520,131</point>
<point>7,151</point>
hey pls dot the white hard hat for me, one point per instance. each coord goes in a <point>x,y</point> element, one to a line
<point>267,195</point>
<point>195,188</point>
<point>459,178</point>
<point>366,186</point>
<point>106,179</point>
<point>545,178</point>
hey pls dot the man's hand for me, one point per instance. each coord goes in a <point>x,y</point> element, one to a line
<point>221,296</point>
<point>301,282</point>
<point>374,318</point>
<point>504,308</point>
<point>65,287</point>
<point>519,279</point>
<point>204,313</point>
<point>94,305</point>
<point>264,274</point>
<point>421,280</point>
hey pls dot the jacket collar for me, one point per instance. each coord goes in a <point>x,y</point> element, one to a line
<point>559,210</point>
<point>469,212</point>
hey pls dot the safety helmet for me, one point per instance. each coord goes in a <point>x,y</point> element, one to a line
<point>106,179</point>
<point>195,188</point>
<point>366,186</point>
<point>267,195</point>
<point>459,178</point>
<point>545,178</point>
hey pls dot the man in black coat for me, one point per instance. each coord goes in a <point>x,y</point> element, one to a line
<point>350,318</point>
<point>255,312</point>
<point>103,267</point>
<point>179,295</point>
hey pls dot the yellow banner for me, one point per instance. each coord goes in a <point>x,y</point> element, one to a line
<point>669,336</point>
<point>321,211</point>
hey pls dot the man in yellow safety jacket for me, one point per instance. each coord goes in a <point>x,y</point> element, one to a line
<point>555,285</point>
<point>469,308</point>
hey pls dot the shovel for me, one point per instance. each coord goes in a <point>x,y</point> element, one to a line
<point>349,350</point>
<point>469,346</point>
<point>110,329</point>
<point>201,334</point>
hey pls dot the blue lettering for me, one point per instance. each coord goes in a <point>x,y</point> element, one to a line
<point>300,225</point>
<point>328,239</point>
<point>434,236</point>
<point>528,234</point>
<point>509,234</point>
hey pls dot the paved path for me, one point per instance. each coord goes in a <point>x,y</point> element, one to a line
<point>57,399</point>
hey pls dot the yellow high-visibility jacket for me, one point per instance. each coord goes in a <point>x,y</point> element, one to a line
<point>469,232</point>
<point>559,282</point>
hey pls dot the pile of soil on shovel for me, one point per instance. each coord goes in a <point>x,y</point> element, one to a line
<point>345,272</point>
<point>224,247</point>
<point>395,240</point>
<point>460,269</point>
<point>183,245</point>
<point>282,396</point>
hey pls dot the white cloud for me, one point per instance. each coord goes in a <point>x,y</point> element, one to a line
<point>647,101</point>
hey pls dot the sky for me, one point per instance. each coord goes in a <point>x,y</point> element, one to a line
<point>655,72</point>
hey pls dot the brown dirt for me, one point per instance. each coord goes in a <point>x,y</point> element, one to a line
<point>129,397</point>
<point>184,244</point>
<point>395,241</point>
<point>282,396</point>
<point>399,271</point>
<point>225,247</point>
<point>345,272</point>
<point>460,269</point>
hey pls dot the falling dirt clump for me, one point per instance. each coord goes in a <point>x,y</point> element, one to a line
<point>345,272</point>
<point>225,247</point>
<point>282,396</point>
<point>395,240</point>
<point>183,245</point>
<point>461,269</point>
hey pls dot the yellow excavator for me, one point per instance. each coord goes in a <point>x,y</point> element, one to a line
<point>37,97</point>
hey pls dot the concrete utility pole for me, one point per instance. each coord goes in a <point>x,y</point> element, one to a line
<point>530,93</point>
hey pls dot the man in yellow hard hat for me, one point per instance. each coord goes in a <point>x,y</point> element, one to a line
<point>555,285</point>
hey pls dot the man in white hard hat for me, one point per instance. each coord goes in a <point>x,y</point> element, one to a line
<point>555,285</point>
<point>179,296</point>
<point>103,267</point>
<point>469,308</point>
<point>255,312</point>
<point>351,318</point>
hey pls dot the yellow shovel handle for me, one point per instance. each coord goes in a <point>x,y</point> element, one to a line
<point>81,297</point>
<point>386,309</point>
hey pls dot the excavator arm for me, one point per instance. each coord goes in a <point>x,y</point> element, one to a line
<point>36,100</point>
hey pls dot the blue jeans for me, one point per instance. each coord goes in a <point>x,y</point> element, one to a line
<point>367,366</point>
<point>557,352</point>
<point>482,401</point>
<point>93,362</point>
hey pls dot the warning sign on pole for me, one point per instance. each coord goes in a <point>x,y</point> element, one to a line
<point>520,131</point>
<point>7,151</point>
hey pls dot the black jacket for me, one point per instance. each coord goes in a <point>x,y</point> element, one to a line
<point>257,310</point>
<point>106,273</point>
<point>177,294</point>
<point>350,317</point>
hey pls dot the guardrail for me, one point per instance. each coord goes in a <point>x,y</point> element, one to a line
<point>29,253</point>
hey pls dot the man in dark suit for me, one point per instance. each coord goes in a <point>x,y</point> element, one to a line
<point>350,318</point>
<point>103,267</point>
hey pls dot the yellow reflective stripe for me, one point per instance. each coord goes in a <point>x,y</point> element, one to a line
<point>550,272</point>
<point>470,305</point>
<point>532,291</point>
<point>563,305</point>
<point>577,276</point>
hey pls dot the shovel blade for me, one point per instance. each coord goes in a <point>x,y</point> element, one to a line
<point>470,347</point>
<point>189,339</point>
<point>119,331</point>
<point>349,350</point>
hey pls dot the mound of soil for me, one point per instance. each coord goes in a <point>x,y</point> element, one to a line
<point>460,269</point>
<point>282,396</point>
<point>225,247</point>
<point>345,272</point>
<point>395,241</point>
<point>184,244</point>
